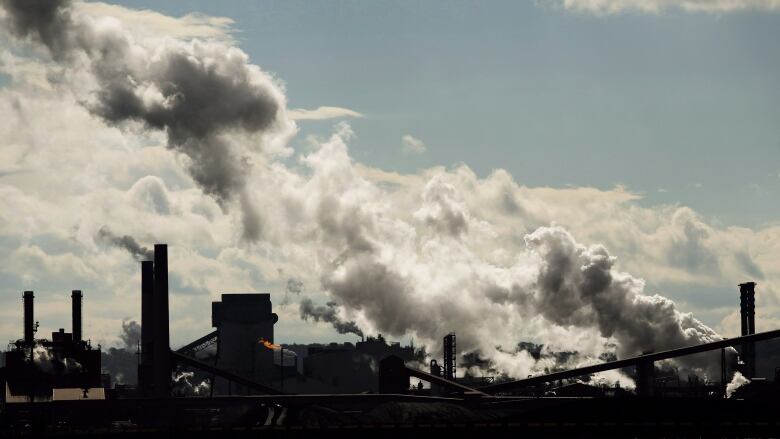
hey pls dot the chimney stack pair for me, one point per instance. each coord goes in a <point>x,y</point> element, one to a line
<point>154,374</point>
<point>29,316</point>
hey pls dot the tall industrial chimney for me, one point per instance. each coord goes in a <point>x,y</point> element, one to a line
<point>747,310</point>
<point>29,323</point>
<point>162,350</point>
<point>145,374</point>
<point>449,356</point>
<point>76,314</point>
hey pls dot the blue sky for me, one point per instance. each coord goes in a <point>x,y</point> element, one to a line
<point>683,107</point>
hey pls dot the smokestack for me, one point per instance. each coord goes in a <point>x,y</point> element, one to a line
<point>162,349</point>
<point>29,324</point>
<point>747,310</point>
<point>145,377</point>
<point>76,314</point>
<point>449,356</point>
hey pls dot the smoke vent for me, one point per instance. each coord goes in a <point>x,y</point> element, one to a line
<point>162,350</point>
<point>29,323</point>
<point>747,310</point>
<point>76,298</point>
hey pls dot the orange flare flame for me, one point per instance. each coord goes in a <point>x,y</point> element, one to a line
<point>269,345</point>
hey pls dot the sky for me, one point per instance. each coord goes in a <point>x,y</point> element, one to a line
<point>425,164</point>
<point>557,97</point>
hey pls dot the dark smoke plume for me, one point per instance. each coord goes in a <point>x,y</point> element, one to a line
<point>328,314</point>
<point>126,242</point>
<point>294,286</point>
<point>131,334</point>
<point>44,21</point>
<point>201,94</point>
<point>122,363</point>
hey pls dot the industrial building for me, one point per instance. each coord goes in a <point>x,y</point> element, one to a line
<point>55,385</point>
<point>64,367</point>
<point>347,369</point>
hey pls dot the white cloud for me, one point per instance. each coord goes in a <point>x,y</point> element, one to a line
<point>412,145</point>
<point>322,113</point>
<point>148,23</point>
<point>609,7</point>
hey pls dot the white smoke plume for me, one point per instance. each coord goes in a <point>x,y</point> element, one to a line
<point>42,358</point>
<point>418,255</point>
<point>736,382</point>
<point>45,360</point>
<point>416,260</point>
<point>183,385</point>
<point>203,95</point>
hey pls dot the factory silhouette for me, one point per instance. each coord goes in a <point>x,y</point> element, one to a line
<point>238,379</point>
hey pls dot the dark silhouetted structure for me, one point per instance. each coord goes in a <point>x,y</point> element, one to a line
<point>645,378</point>
<point>348,368</point>
<point>747,311</point>
<point>337,390</point>
<point>76,298</point>
<point>29,318</point>
<point>62,368</point>
<point>450,352</point>
<point>145,371</point>
<point>243,322</point>
<point>161,349</point>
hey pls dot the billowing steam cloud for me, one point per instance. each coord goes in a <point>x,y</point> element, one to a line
<point>736,382</point>
<point>441,268</point>
<point>204,95</point>
<point>329,314</point>
<point>126,242</point>
<point>402,255</point>
<point>45,360</point>
<point>184,385</point>
<point>576,286</point>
